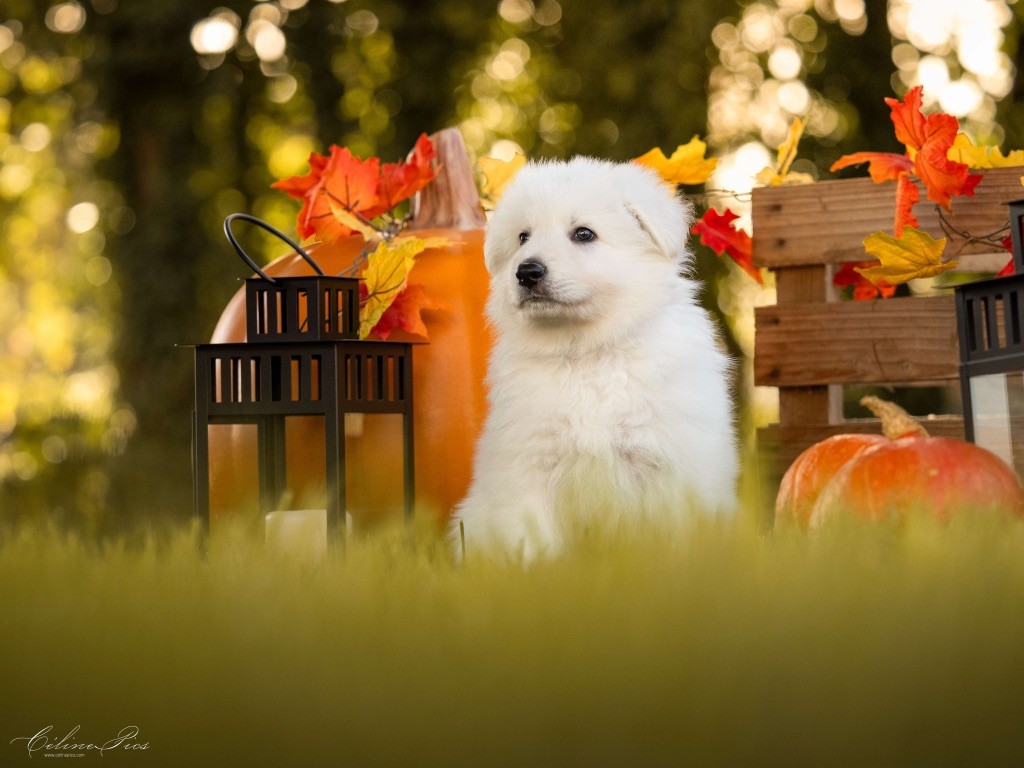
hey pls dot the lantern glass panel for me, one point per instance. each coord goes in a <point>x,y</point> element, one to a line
<point>997,405</point>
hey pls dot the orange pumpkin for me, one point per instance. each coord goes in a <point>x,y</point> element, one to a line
<point>911,470</point>
<point>811,471</point>
<point>449,400</point>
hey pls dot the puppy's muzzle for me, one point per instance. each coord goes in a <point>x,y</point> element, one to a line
<point>530,273</point>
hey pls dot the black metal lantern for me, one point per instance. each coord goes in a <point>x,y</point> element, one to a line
<point>303,357</point>
<point>990,322</point>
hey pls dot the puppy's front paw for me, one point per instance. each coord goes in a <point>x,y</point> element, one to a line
<point>520,530</point>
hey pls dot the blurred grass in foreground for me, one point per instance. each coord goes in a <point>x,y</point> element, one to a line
<point>706,646</point>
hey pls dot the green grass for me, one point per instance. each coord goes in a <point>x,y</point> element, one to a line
<point>711,645</point>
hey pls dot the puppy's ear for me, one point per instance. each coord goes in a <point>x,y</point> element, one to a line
<point>662,216</point>
<point>661,236</point>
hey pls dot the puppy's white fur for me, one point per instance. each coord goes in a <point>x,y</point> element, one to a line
<point>609,393</point>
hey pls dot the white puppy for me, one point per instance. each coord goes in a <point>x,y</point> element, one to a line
<point>609,392</point>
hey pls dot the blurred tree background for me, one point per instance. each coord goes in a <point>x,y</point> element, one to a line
<point>128,130</point>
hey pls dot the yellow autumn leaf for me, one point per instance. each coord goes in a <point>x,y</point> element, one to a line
<point>779,175</point>
<point>497,176</point>
<point>967,152</point>
<point>353,222</point>
<point>686,166</point>
<point>769,177</point>
<point>914,254</point>
<point>787,149</point>
<point>386,273</point>
<point>431,242</point>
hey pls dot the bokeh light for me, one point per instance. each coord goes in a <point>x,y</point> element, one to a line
<point>83,217</point>
<point>266,39</point>
<point>66,18</point>
<point>216,34</point>
<point>35,137</point>
<point>961,61</point>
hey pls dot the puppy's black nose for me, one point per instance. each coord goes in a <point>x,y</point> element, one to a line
<point>530,273</point>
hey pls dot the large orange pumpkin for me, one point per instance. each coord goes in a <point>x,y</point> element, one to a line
<point>448,372</point>
<point>910,470</point>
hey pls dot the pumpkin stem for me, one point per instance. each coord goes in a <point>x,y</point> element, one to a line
<point>896,422</point>
<point>451,200</point>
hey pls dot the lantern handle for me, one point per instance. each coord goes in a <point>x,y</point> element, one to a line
<point>272,230</point>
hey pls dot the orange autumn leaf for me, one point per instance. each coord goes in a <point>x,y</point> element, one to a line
<point>910,123</point>
<point>340,179</point>
<point>883,166</point>
<point>928,140</point>
<point>400,181</point>
<point>341,186</point>
<point>353,182</point>
<point>907,195</point>
<point>405,312</point>
<point>345,181</point>
<point>863,289</point>
<point>718,232</point>
<point>306,188</point>
<point>943,178</point>
<point>300,186</point>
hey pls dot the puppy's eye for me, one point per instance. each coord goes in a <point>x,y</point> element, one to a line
<point>583,235</point>
<point>523,237</point>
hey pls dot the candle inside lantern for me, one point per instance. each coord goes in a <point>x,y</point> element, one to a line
<point>996,399</point>
<point>301,532</point>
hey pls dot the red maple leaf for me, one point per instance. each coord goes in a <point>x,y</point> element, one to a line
<point>717,232</point>
<point>405,313</point>
<point>863,289</point>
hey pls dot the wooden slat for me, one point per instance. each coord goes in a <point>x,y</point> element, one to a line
<point>802,284</point>
<point>801,405</point>
<point>806,405</point>
<point>826,222</point>
<point>779,445</point>
<point>869,342</point>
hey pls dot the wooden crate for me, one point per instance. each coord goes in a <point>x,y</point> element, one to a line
<point>809,344</point>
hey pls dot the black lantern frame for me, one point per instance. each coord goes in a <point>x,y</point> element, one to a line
<point>302,357</point>
<point>990,327</point>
